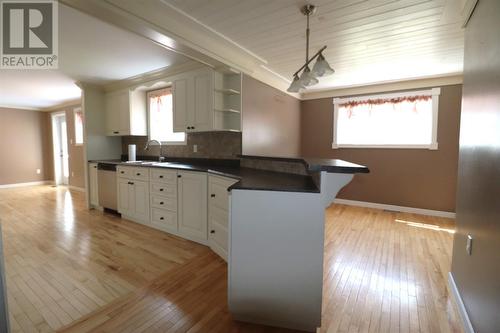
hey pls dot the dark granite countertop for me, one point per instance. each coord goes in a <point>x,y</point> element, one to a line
<point>249,178</point>
<point>317,164</point>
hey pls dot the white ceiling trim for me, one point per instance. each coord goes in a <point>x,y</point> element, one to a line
<point>387,87</point>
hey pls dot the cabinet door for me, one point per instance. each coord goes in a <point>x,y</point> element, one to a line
<point>218,214</point>
<point>117,113</point>
<point>125,197</point>
<point>180,95</point>
<point>112,109</point>
<point>141,200</point>
<point>203,101</point>
<point>192,205</point>
<point>93,184</point>
<point>123,102</point>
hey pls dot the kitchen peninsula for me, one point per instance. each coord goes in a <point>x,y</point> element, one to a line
<point>268,224</point>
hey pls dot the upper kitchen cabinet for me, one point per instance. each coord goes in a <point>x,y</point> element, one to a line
<point>126,113</point>
<point>207,100</point>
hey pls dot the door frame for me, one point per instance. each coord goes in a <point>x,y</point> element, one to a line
<point>58,177</point>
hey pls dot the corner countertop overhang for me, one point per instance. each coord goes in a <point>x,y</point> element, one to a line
<point>255,179</point>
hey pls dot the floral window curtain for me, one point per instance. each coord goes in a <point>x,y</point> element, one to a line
<point>391,121</point>
<point>161,117</point>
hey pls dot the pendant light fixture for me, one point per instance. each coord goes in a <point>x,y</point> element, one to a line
<point>321,67</point>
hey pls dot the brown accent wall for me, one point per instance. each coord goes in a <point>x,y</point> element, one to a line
<point>271,121</point>
<point>209,145</point>
<point>477,276</point>
<point>25,145</point>
<point>417,178</point>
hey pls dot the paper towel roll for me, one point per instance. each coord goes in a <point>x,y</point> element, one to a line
<point>131,152</point>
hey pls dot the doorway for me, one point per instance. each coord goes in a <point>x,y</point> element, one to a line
<point>60,140</point>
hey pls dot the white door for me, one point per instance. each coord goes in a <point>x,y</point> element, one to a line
<point>192,203</point>
<point>60,141</point>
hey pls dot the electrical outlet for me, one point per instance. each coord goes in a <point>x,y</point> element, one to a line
<point>72,174</point>
<point>38,171</point>
<point>195,148</point>
<point>468,247</point>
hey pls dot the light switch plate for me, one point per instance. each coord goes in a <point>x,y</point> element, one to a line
<point>195,148</point>
<point>468,247</point>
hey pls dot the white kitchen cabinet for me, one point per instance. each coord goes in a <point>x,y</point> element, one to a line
<point>192,205</point>
<point>218,214</point>
<point>193,99</point>
<point>133,193</point>
<point>126,113</point>
<point>93,186</point>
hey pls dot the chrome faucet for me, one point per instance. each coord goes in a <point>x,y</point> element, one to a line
<point>148,144</point>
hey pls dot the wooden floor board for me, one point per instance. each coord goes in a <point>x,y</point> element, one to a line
<point>74,270</point>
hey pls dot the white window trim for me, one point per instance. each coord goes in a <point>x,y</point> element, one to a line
<point>434,92</point>
<point>167,143</point>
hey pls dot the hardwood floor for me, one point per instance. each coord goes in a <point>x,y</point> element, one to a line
<point>75,270</point>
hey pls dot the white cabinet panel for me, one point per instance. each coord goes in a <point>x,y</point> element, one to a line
<point>141,200</point>
<point>203,101</point>
<point>218,214</point>
<point>125,197</point>
<point>126,113</point>
<point>193,96</point>
<point>181,103</point>
<point>93,184</point>
<point>192,205</point>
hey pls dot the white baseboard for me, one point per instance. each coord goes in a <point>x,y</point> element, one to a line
<point>395,208</point>
<point>43,182</point>
<point>466,323</point>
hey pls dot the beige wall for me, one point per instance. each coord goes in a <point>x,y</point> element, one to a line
<point>271,121</point>
<point>24,146</point>
<point>405,177</point>
<point>477,276</point>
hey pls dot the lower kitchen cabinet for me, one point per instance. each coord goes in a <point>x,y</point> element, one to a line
<point>93,186</point>
<point>133,199</point>
<point>218,214</point>
<point>192,205</point>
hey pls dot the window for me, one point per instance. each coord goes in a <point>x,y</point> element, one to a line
<point>78,126</point>
<point>402,120</point>
<point>161,118</point>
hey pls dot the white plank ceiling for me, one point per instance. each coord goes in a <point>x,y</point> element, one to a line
<point>369,41</point>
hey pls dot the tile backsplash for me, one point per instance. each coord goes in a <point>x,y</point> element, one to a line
<point>209,145</point>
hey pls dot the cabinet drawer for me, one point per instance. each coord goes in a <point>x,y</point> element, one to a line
<point>133,173</point>
<point>218,194</point>
<point>164,218</point>
<point>140,174</point>
<point>164,176</point>
<point>164,202</point>
<point>124,172</point>
<point>169,190</point>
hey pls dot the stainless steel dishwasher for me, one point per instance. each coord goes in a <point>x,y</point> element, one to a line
<point>106,178</point>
